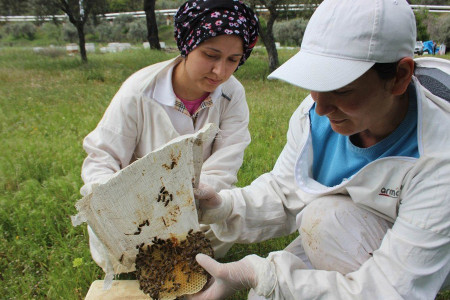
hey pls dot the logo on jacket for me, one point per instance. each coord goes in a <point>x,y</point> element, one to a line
<point>390,192</point>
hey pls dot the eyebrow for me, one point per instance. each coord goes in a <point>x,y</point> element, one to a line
<point>218,51</point>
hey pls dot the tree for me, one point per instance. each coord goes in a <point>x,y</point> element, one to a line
<point>422,30</point>
<point>78,12</point>
<point>152,27</point>
<point>275,9</point>
<point>439,29</point>
<point>14,7</point>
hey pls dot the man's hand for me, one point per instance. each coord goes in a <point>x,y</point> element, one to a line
<point>226,278</point>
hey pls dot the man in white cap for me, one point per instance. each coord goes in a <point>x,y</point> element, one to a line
<point>364,176</point>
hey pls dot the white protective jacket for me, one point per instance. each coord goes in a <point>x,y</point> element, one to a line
<point>141,118</point>
<point>413,193</point>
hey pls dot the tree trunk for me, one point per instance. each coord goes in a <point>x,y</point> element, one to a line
<point>152,27</point>
<point>269,41</point>
<point>78,23</point>
<point>81,38</point>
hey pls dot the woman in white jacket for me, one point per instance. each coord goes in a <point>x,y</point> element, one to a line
<point>364,176</point>
<point>179,96</point>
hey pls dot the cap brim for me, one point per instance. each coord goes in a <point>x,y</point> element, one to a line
<point>320,73</point>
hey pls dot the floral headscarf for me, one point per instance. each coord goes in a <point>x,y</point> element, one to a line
<point>199,20</point>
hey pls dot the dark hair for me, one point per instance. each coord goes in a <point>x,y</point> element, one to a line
<point>387,71</point>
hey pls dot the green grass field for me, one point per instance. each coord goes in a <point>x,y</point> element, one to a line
<point>48,103</point>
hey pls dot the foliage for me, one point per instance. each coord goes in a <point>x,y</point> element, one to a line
<point>429,2</point>
<point>433,27</point>
<point>69,33</point>
<point>137,31</point>
<point>124,5</point>
<point>440,29</point>
<point>123,20</point>
<point>166,4</point>
<point>19,30</point>
<point>124,28</point>
<point>51,31</point>
<point>290,32</point>
<point>422,31</point>
<point>104,31</point>
<point>14,7</point>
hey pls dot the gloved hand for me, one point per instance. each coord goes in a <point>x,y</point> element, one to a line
<point>226,278</point>
<point>211,208</point>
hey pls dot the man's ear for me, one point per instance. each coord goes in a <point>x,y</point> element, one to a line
<point>405,70</point>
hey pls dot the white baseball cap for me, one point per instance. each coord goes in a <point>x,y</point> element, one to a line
<point>345,38</point>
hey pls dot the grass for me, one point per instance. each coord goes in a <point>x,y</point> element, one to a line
<point>48,104</point>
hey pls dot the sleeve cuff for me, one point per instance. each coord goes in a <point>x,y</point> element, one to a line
<point>265,275</point>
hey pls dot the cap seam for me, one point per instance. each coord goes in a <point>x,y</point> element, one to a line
<point>338,56</point>
<point>375,28</point>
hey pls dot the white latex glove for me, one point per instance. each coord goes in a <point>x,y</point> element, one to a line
<point>211,208</point>
<point>226,278</point>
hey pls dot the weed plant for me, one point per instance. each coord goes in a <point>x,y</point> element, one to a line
<point>48,104</point>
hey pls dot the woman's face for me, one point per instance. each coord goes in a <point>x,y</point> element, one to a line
<point>364,106</point>
<point>211,63</point>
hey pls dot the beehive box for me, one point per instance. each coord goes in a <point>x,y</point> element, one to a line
<point>120,290</point>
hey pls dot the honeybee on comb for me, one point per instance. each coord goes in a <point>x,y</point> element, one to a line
<point>167,269</point>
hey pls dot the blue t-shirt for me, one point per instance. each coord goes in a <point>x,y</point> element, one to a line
<point>336,158</point>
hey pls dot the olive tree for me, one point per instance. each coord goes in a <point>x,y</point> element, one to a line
<point>77,11</point>
<point>275,9</point>
<point>152,27</point>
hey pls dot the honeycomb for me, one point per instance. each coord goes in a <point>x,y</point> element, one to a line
<point>167,269</point>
